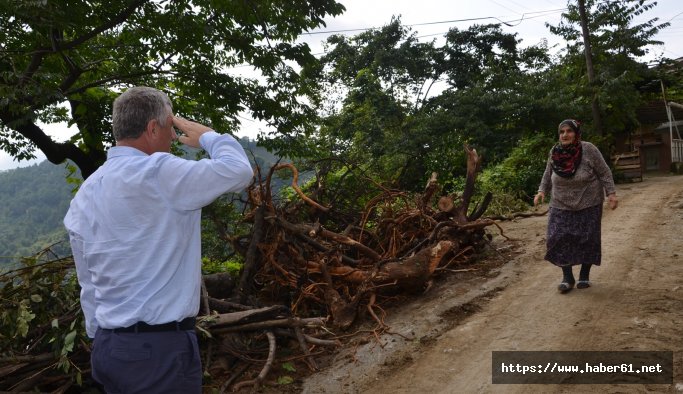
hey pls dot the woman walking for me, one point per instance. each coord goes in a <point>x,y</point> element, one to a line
<point>578,178</point>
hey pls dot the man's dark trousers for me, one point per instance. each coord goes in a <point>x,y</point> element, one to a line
<point>147,362</point>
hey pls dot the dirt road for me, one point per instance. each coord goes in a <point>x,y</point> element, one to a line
<point>635,303</point>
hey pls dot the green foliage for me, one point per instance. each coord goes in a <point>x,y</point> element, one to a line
<point>233,267</point>
<point>222,222</point>
<point>85,53</point>
<point>73,177</point>
<point>521,171</point>
<point>382,120</point>
<point>380,78</point>
<point>41,312</point>
<point>22,318</point>
<point>383,117</point>
<point>515,180</point>
<point>616,43</point>
<point>348,187</point>
<point>34,202</point>
<point>285,380</point>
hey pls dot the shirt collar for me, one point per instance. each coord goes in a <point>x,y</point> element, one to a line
<point>119,151</point>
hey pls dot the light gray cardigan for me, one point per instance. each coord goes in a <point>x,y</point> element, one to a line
<point>588,186</point>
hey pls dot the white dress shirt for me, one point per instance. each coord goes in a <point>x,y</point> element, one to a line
<point>134,227</point>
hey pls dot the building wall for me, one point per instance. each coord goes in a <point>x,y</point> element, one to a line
<point>653,145</point>
<point>654,148</point>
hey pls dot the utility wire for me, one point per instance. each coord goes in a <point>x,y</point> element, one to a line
<point>509,23</point>
<point>440,22</point>
<point>445,32</point>
<point>675,16</point>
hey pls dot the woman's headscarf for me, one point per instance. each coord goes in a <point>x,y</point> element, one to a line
<point>566,158</point>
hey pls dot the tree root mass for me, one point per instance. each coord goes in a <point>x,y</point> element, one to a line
<point>305,284</point>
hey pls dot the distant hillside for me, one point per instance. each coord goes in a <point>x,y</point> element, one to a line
<point>258,154</point>
<point>34,201</point>
<point>36,198</point>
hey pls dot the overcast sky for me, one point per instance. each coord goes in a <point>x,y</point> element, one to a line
<point>431,19</point>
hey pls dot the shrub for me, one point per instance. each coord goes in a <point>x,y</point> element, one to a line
<point>515,180</point>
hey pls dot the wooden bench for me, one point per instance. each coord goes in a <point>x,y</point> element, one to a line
<point>627,166</point>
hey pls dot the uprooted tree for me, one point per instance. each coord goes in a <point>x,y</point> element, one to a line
<point>305,279</point>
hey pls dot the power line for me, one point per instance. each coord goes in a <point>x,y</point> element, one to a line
<point>441,22</point>
<point>515,20</point>
<point>416,24</point>
<point>503,6</point>
<point>675,16</point>
<point>507,23</point>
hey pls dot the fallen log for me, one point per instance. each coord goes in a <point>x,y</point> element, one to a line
<point>343,313</point>
<point>480,209</point>
<point>221,306</point>
<point>301,233</point>
<point>323,264</point>
<point>411,272</point>
<point>414,271</point>
<point>219,285</point>
<point>306,231</point>
<point>249,316</point>
<point>430,189</point>
<point>9,369</point>
<point>288,322</point>
<point>473,166</point>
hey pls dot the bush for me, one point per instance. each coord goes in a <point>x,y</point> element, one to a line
<point>42,335</point>
<point>515,180</point>
<point>232,266</point>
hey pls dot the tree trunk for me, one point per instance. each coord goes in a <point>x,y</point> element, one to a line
<point>408,273</point>
<point>588,51</point>
<point>473,166</point>
<point>251,260</point>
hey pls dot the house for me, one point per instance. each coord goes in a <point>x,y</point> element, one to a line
<point>658,139</point>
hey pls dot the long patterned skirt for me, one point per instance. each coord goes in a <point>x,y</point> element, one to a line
<point>574,236</point>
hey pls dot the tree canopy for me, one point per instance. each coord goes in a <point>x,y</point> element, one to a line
<point>616,44</point>
<point>383,97</point>
<point>395,108</point>
<point>83,53</point>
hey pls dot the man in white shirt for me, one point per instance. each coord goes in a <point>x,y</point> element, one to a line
<point>134,227</point>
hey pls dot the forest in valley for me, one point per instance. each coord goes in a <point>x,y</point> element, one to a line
<point>401,151</point>
<point>34,201</point>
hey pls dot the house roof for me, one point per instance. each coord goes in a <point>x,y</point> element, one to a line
<point>666,127</point>
<point>654,113</point>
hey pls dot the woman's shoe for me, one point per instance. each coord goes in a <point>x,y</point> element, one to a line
<point>583,284</point>
<point>565,287</point>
